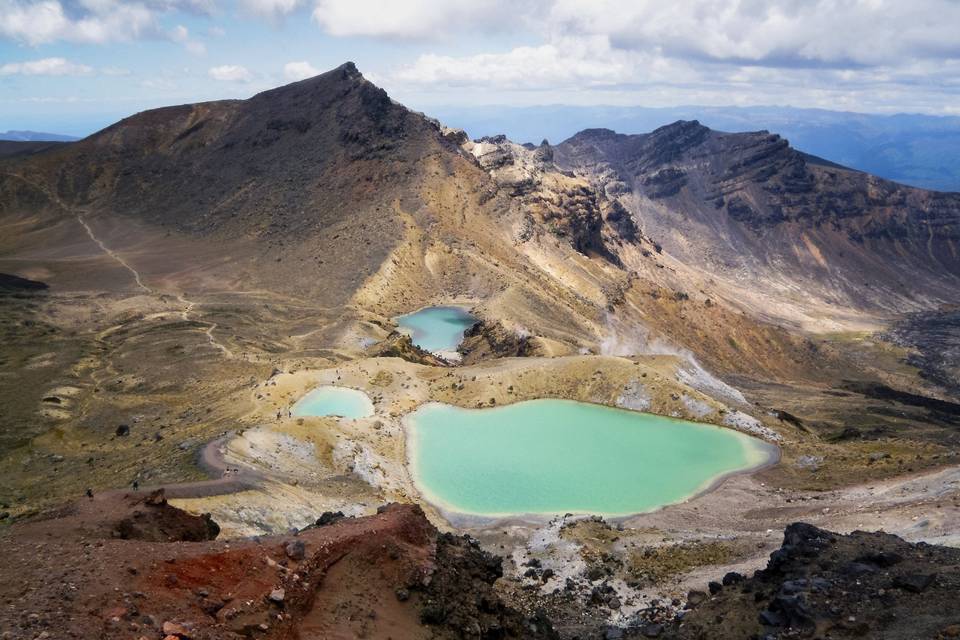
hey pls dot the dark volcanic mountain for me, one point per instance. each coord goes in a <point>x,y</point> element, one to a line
<point>171,286</point>
<point>729,202</point>
<point>327,160</point>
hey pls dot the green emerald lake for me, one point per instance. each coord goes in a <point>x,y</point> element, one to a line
<point>436,328</point>
<point>558,456</point>
<point>334,401</point>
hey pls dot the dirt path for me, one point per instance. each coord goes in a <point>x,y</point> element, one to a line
<point>226,478</point>
<point>113,254</point>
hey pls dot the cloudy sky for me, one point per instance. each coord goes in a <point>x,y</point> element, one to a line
<point>73,66</point>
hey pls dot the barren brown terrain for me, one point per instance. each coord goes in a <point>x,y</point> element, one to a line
<point>174,283</point>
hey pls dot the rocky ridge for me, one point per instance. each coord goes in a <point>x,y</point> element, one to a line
<point>391,574</point>
<point>733,201</point>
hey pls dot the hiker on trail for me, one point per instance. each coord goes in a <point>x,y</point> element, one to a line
<point>136,485</point>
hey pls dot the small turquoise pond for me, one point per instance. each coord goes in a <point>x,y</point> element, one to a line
<point>559,456</point>
<point>436,328</point>
<point>334,401</point>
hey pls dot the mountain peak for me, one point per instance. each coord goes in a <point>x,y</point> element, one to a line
<point>349,69</point>
<point>338,79</point>
<point>683,133</point>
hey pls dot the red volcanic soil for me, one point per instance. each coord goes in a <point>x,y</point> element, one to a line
<point>131,566</point>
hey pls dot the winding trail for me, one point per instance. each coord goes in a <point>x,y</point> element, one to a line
<point>225,479</point>
<point>113,254</point>
<point>138,279</point>
<point>189,305</point>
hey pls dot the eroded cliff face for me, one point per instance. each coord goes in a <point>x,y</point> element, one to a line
<point>554,201</point>
<point>748,201</point>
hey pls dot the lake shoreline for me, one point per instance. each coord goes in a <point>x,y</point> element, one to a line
<point>766,455</point>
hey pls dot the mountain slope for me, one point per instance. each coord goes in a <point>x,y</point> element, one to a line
<point>327,190</point>
<point>749,207</point>
<point>198,269</point>
<point>292,181</point>
<point>914,149</point>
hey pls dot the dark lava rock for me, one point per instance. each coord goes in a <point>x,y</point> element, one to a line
<point>862,584</point>
<point>856,569</point>
<point>461,598</point>
<point>653,630</point>
<point>714,587</point>
<point>881,558</point>
<point>153,519</point>
<point>732,578</point>
<point>329,517</point>
<point>770,619</point>
<point>914,582</point>
<point>295,550</point>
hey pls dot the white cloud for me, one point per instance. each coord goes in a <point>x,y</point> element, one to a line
<point>230,73</point>
<point>41,22</point>
<point>45,67</point>
<point>775,32</point>
<point>299,70</point>
<point>182,35</point>
<point>270,8</point>
<point>569,62</point>
<point>827,53</point>
<point>419,19</point>
<point>89,21</point>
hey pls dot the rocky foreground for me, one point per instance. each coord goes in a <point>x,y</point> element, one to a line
<point>826,585</point>
<point>132,566</point>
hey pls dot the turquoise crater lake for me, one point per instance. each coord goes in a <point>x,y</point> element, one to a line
<point>436,329</point>
<point>558,456</point>
<point>334,401</point>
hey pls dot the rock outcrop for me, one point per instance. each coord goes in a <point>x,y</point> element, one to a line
<point>726,202</point>
<point>552,200</point>
<point>485,340</point>
<point>387,574</point>
<point>823,584</point>
<point>399,345</point>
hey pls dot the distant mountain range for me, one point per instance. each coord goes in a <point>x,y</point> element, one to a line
<point>35,136</point>
<point>310,169</point>
<point>918,150</point>
<point>913,149</point>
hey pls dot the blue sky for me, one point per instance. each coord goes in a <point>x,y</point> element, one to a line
<point>73,66</point>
